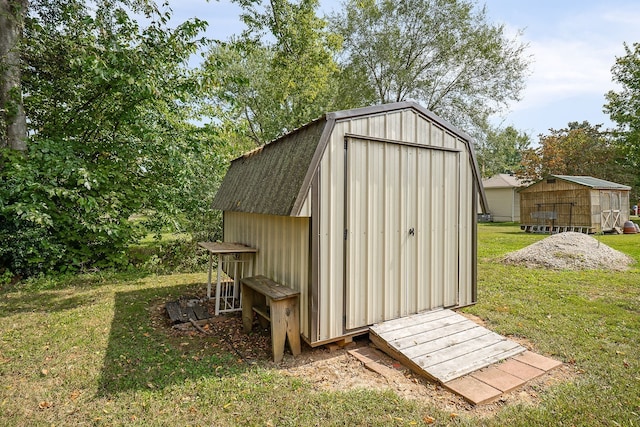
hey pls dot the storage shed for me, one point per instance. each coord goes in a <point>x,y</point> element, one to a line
<point>502,197</point>
<point>573,203</point>
<point>369,213</point>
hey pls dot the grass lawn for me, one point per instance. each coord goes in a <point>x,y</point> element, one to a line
<point>87,350</point>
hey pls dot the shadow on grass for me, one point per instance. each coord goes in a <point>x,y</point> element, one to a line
<point>59,293</point>
<point>143,354</point>
<point>48,301</point>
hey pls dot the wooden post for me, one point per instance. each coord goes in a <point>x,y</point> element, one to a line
<point>247,312</point>
<point>284,324</point>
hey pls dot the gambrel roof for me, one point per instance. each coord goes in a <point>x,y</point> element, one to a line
<point>274,179</point>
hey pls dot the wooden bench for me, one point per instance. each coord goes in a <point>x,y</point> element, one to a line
<point>276,304</point>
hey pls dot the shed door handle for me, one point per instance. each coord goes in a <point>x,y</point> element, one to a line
<point>412,231</point>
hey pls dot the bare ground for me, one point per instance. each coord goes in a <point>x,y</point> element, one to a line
<point>336,370</point>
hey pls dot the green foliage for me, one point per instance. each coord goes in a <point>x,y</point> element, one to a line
<point>109,106</point>
<point>623,105</point>
<point>57,213</point>
<point>443,53</point>
<point>179,254</point>
<point>278,74</point>
<point>578,149</point>
<point>502,150</point>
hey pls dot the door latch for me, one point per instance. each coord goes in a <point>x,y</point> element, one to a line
<point>412,231</point>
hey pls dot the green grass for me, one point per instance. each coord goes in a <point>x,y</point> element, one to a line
<point>89,350</point>
<point>590,319</point>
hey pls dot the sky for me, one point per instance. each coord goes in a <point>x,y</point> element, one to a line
<point>572,45</point>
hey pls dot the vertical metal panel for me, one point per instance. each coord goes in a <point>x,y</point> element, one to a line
<point>466,232</point>
<point>409,216</point>
<point>305,209</point>
<point>392,201</point>
<point>503,204</point>
<point>436,218</point>
<point>330,288</point>
<point>451,222</point>
<point>283,250</point>
<point>409,124</point>
<point>437,136</point>
<point>437,232</point>
<point>424,232</point>
<point>402,287</point>
<point>315,275</point>
<point>423,131</point>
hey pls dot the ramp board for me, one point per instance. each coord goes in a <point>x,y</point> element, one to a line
<point>442,345</point>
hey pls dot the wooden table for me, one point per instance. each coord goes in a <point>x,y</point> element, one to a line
<point>218,249</point>
<point>273,303</point>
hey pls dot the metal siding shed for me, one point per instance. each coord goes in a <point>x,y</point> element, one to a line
<point>502,196</point>
<point>393,170</point>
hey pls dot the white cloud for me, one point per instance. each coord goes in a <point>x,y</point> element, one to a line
<point>575,57</point>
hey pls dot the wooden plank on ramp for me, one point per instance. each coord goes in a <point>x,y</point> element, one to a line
<point>442,345</point>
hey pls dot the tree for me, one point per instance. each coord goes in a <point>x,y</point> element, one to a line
<point>624,106</point>
<point>108,106</point>
<point>13,125</point>
<point>278,74</point>
<point>443,53</point>
<point>579,149</point>
<point>502,151</point>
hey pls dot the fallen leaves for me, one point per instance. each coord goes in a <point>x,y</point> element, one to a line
<point>45,404</point>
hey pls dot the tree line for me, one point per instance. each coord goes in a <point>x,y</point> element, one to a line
<point>581,148</point>
<point>103,117</point>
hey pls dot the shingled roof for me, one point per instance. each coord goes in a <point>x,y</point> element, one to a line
<point>268,179</point>
<point>274,178</point>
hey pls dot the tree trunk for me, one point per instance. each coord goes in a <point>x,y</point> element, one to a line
<point>13,131</point>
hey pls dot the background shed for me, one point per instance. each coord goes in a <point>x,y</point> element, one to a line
<point>369,213</point>
<point>574,203</point>
<point>502,197</point>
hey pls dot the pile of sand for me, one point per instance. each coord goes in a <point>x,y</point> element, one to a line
<point>570,251</point>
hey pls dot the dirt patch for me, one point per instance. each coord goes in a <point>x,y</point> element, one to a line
<point>337,370</point>
<point>569,251</point>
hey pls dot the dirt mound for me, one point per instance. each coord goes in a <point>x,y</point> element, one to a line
<point>570,251</point>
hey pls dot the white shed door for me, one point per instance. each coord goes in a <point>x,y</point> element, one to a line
<point>401,235</point>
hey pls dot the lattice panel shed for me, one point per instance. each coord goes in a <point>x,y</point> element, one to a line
<point>584,204</point>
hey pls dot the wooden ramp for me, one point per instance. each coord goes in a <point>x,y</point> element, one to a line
<point>442,345</point>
